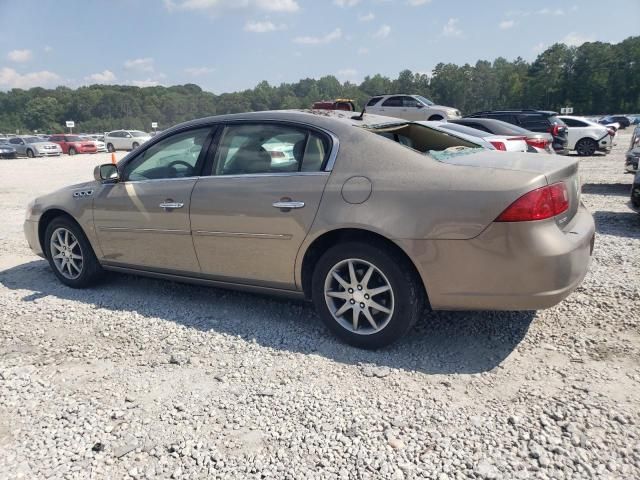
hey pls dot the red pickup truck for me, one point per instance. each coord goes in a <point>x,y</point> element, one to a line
<point>337,104</point>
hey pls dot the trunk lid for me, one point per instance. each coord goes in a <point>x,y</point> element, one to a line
<point>555,168</point>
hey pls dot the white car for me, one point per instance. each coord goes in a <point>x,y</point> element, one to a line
<point>587,137</point>
<point>504,143</point>
<point>125,139</point>
<point>100,146</point>
<point>410,107</point>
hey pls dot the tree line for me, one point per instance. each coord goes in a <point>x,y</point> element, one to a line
<point>594,78</point>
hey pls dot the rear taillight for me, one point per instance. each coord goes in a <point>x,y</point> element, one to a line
<point>499,145</point>
<point>612,132</point>
<point>537,142</point>
<point>539,204</point>
<point>276,155</point>
<point>554,130</point>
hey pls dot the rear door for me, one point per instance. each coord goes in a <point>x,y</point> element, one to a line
<point>393,107</point>
<point>252,213</point>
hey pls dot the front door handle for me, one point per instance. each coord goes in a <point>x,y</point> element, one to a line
<point>171,205</point>
<point>287,205</point>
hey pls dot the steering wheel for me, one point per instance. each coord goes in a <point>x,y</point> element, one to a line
<point>173,164</point>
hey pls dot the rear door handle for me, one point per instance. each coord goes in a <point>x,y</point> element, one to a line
<point>286,205</point>
<point>171,205</point>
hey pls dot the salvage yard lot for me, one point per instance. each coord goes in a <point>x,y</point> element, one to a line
<point>140,377</point>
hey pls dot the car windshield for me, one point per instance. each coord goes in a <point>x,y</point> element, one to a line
<point>32,139</point>
<point>74,138</point>
<point>424,100</point>
<point>138,133</point>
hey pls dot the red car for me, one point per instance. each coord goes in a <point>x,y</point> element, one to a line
<point>73,144</point>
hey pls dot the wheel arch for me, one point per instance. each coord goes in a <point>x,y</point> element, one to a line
<point>46,218</point>
<point>328,239</point>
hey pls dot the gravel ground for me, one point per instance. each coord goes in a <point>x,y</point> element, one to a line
<point>140,378</point>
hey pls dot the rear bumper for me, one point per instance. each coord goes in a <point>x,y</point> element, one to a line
<point>31,234</point>
<point>510,266</point>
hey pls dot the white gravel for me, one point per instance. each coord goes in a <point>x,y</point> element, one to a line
<point>140,378</point>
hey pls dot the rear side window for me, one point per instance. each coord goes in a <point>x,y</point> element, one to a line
<point>505,117</point>
<point>269,148</point>
<point>409,102</point>
<point>373,101</point>
<point>572,122</point>
<point>535,123</point>
<point>393,102</point>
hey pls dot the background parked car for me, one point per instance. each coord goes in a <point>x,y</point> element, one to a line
<point>539,142</point>
<point>535,120</point>
<point>632,157</point>
<point>34,147</point>
<point>587,137</point>
<point>499,142</point>
<point>6,150</point>
<point>72,144</point>
<point>409,107</point>
<point>621,119</point>
<point>125,139</point>
<point>100,146</point>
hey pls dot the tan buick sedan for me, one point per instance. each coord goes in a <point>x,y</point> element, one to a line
<point>372,218</point>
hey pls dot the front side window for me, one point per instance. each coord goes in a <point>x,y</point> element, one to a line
<point>173,157</point>
<point>373,101</point>
<point>393,102</point>
<point>410,102</point>
<point>269,148</point>
<point>15,141</point>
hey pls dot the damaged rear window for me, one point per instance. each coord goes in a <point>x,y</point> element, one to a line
<point>440,145</point>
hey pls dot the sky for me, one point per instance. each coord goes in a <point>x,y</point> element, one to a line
<point>231,45</point>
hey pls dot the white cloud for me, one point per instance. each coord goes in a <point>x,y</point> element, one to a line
<point>19,56</point>
<point>367,17</point>
<point>363,51</point>
<point>328,38</point>
<point>451,29</point>
<point>538,47</point>
<point>262,27</point>
<point>140,64</point>
<point>417,3</point>
<point>548,11</point>
<point>506,24</point>
<point>9,78</point>
<point>383,32</point>
<point>346,3</point>
<point>574,39</point>
<point>145,83</point>
<point>285,6</point>
<point>199,71</point>
<point>347,74</point>
<point>106,76</point>
<point>48,48</point>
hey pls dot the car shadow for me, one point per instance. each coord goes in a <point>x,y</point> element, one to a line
<point>620,224</point>
<point>441,342</point>
<point>618,189</point>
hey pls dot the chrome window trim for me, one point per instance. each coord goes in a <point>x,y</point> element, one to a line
<point>244,175</point>
<point>265,236</point>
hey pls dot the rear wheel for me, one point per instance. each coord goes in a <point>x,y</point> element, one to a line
<point>435,118</point>
<point>110,147</point>
<point>135,145</point>
<point>70,254</point>
<point>72,151</point>
<point>30,153</point>
<point>366,296</point>
<point>586,147</point>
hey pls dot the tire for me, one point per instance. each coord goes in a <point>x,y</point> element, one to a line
<point>404,297</point>
<point>76,272</point>
<point>134,145</point>
<point>110,148</point>
<point>586,147</point>
<point>30,153</point>
<point>72,151</point>
<point>434,118</point>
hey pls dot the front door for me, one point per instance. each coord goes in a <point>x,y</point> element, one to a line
<point>143,220</point>
<point>250,216</point>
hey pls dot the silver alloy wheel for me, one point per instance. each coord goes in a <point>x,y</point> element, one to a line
<point>66,253</point>
<point>359,296</point>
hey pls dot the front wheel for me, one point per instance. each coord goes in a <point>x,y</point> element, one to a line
<point>72,151</point>
<point>70,254</point>
<point>365,295</point>
<point>586,147</point>
<point>110,148</point>
<point>134,145</point>
<point>30,153</point>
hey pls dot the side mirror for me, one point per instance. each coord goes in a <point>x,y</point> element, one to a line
<point>420,105</point>
<point>107,172</point>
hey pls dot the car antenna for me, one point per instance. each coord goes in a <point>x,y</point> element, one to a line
<point>361,116</point>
